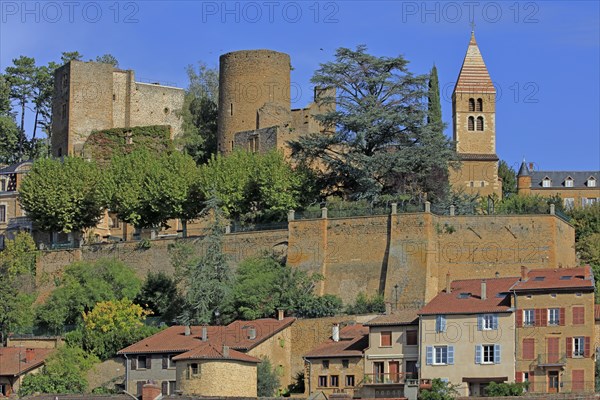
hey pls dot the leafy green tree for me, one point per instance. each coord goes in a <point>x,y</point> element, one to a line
<point>160,294</point>
<point>440,390</point>
<point>64,372</point>
<point>66,196</point>
<point>509,179</point>
<point>21,78</point>
<point>382,143</point>
<point>9,140</point>
<point>68,56</point>
<point>110,326</point>
<point>207,279</point>
<point>18,256</point>
<point>108,59</point>
<point>83,285</point>
<point>200,113</point>
<point>527,204</point>
<point>505,389</point>
<point>253,186</point>
<point>366,305</point>
<point>147,190</point>
<point>267,379</point>
<point>5,107</point>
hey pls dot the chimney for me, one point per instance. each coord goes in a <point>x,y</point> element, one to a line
<point>448,283</point>
<point>204,334</point>
<point>388,308</point>
<point>252,333</point>
<point>531,166</point>
<point>225,351</point>
<point>29,355</point>
<point>280,314</point>
<point>483,289</point>
<point>523,273</point>
<point>150,391</point>
<point>188,330</point>
<point>335,332</point>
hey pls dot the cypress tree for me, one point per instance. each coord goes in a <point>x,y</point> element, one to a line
<point>434,116</point>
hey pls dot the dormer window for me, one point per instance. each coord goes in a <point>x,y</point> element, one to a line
<point>479,106</point>
<point>591,182</point>
<point>546,182</point>
<point>569,182</point>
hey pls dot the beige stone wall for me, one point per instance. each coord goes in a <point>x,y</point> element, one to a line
<point>478,142</point>
<point>462,333</point>
<point>35,342</point>
<point>217,378</point>
<point>337,369</point>
<point>157,105</point>
<point>476,177</point>
<point>541,333</point>
<point>278,349</point>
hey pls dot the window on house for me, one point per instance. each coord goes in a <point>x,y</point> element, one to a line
<point>546,182</point>
<point>378,372</point>
<point>553,316</point>
<point>167,361</point>
<point>2,213</point>
<point>334,381</point>
<point>525,379</point>
<point>529,317</point>
<point>591,182</point>
<point>142,362</point>
<point>385,339</point>
<point>482,183</point>
<point>349,381</point>
<point>345,363</point>
<point>2,185</point>
<point>325,364</point>
<point>472,183</point>
<point>578,346</point>
<point>412,338</point>
<point>322,380</point>
<point>479,123</point>
<point>568,182</point>
<point>440,355</point>
<point>471,124</point>
<point>471,104</point>
<point>440,323</point>
<point>479,105</point>
<point>488,322</point>
<point>172,386</point>
<point>528,348</point>
<point>578,315</point>
<point>194,369</point>
<point>487,354</point>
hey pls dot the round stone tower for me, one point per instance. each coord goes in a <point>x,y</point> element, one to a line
<point>249,80</point>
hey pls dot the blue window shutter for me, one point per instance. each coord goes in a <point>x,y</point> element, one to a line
<point>477,354</point>
<point>497,354</point>
<point>429,355</point>
<point>443,323</point>
<point>479,322</point>
<point>450,355</point>
<point>495,322</point>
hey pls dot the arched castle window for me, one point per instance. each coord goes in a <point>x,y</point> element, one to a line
<point>471,104</point>
<point>479,105</point>
<point>471,126</point>
<point>479,123</point>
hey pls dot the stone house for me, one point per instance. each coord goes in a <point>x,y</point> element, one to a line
<point>392,354</point>
<point>576,188</point>
<point>16,363</point>
<point>155,358</point>
<point>337,364</point>
<point>555,335</point>
<point>12,217</point>
<point>467,335</point>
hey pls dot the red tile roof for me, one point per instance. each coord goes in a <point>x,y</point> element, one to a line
<point>580,278</point>
<point>208,351</point>
<point>353,340</point>
<point>474,76</point>
<point>235,335</point>
<point>465,297</point>
<point>13,360</point>
<point>398,317</point>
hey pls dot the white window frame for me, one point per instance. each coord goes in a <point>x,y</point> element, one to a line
<point>487,322</point>
<point>569,183</point>
<point>546,182</point>
<point>554,316</point>
<point>529,317</point>
<point>443,355</point>
<point>591,182</point>
<point>487,353</point>
<point>578,346</point>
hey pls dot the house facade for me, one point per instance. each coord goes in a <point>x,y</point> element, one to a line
<point>12,217</point>
<point>392,354</point>
<point>467,335</point>
<point>555,332</point>
<point>16,363</point>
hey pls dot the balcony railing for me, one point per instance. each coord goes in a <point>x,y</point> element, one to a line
<point>551,359</point>
<point>387,378</point>
<point>19,223</point>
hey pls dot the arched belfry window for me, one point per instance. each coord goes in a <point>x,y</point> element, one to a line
<point>471,104</point>
<point>479,123</point>
<point>479,105</point>
<point>471,125</point>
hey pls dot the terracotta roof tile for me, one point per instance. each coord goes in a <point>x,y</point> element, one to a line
<point>353,340</point>
<point>465,297</point>
<point>398,317</point>
<point>559,278</point>
<point>13,360</point>
<point>235,335</point>
<point>208,351</point>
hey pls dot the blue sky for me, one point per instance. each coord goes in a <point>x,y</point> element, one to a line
<point>543,56</point>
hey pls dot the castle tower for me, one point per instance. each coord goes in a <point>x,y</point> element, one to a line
<point>254,93</point>
<point>474,119</point>
<point>523,180</point>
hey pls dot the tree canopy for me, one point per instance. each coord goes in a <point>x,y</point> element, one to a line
<point>382,142</point>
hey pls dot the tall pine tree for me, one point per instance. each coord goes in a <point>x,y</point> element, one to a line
<point>434,115</point>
